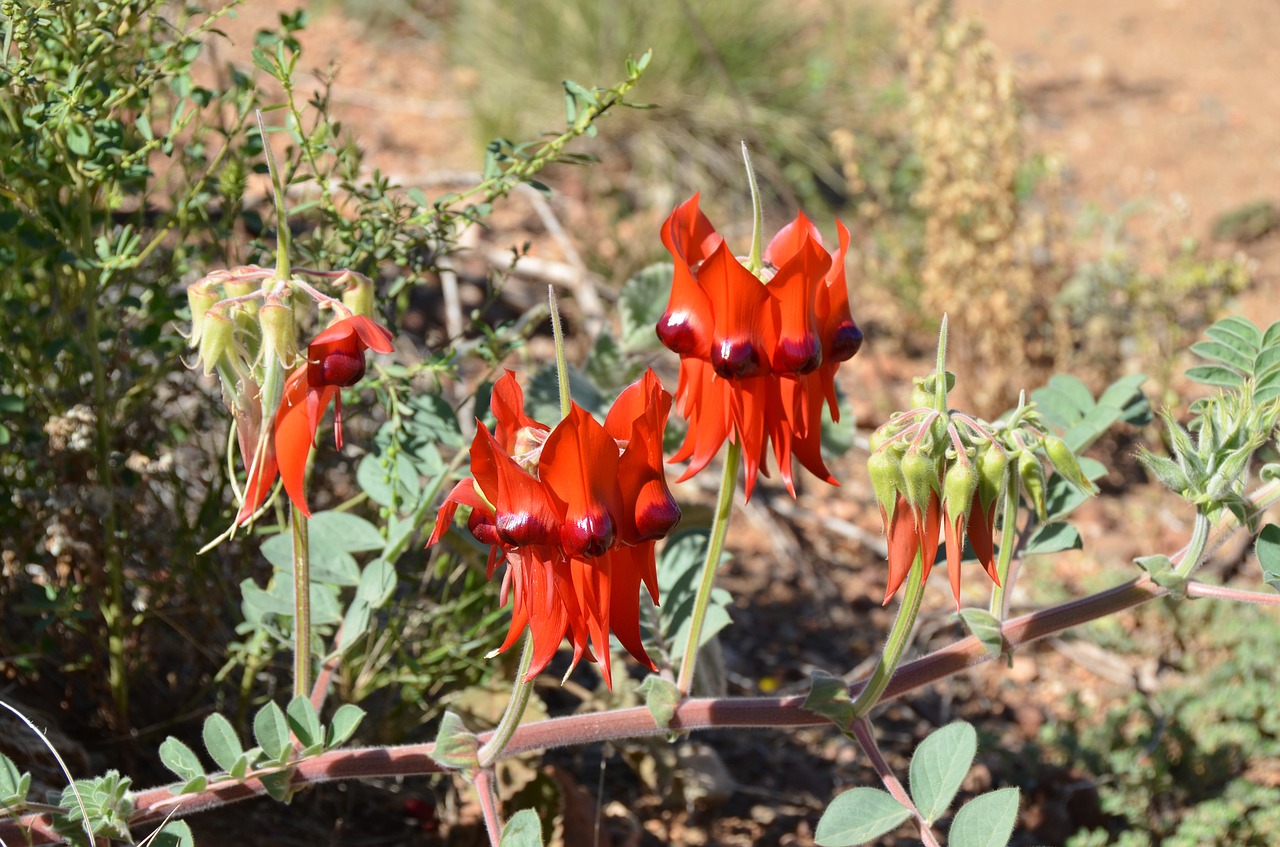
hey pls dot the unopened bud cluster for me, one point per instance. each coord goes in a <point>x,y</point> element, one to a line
<point>946,471</point>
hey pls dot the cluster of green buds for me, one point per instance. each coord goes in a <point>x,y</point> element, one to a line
<point>937,470</point>
<point>244,329</point>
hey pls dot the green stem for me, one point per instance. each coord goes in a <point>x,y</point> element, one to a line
<point>282,223</point>
<point>1196,547</point>
<point>719,529</point>
<point>1008,528</point>
<point>562,365</point>
<point>301,605</point>
<point>940,371</point>
<point>755,261</point>
<point>896,644</point>
<point>510,720</point>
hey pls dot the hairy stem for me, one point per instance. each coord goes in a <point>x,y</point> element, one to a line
<point>490,805</point>
<point>896,644</point>
<point>1008,529</point>
<point>867,741</point>
<point>715,546</point>
<point>301,604</point>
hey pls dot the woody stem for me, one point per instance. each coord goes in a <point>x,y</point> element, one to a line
<point>1008,528</point>
<point>896,644</point>
<point>719,529</point>
<point>301,604</point>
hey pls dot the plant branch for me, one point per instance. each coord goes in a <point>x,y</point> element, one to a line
<point>867,741</point>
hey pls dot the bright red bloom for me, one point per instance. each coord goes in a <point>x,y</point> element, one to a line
<point>575,511</point>
<point>913,531</point>
<point>335,360</point>
<point>757,357</point>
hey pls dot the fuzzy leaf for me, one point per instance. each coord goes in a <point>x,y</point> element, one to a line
<point>377,583</point>
<point>1268,550</point>
<point>305,723</point>
<point>857,816</point>
<point>641,303</point>
<point>180,759</point>
<point>939,765</point>
<point>221,741</point>
<point>344,724</point>
<point>985,821</point>
<point>174,834</point>
<point>523,830</point>
<point>271,731</point>
<point>456,747</point>
<point>661,696</point>
<point>14,784</point>
<point>829,696</point>
<point>1053,538</point>
<point>1216,376</point>
<point>983,625</point>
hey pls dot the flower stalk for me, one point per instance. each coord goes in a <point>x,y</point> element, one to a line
<point>301,603</point>
<point>1008,530</point>
<point>715,546</point>
<point>895,644</point>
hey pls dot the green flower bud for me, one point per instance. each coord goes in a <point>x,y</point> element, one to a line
<point>242,288</point>
<point>919,477</point>
<point>200,300</point>
<point>958,488</point>
<point>279,335</point>
<point>217,338</point>
<point>993,463</point>
<point>1065,462</point>
<point>359,295</point>
<point>886,479</point>
<point>1031,473</point>
<point>921,397</point>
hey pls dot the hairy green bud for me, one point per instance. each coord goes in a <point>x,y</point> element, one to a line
<point>958,488</point>
<point>200,300</point>
<point>1065,462</point>
<point>920,477</point>
<point>359,295</point>
<point>217,339</point>
<point>279,334</point>
<point>886,479</point>
<point>1031,473</point>
<point>993,464</point>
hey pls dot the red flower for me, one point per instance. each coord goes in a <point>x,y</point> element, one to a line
<point>911,531</point>
<point>575,511</point>
<point>335,360</point>
<point>757,356</point>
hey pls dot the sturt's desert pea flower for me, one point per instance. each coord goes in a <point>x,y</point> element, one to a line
<point>335,360</point>
<point>758,354</point>
<point>575,512</point>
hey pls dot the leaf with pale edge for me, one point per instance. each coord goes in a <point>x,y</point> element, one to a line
<point>661,696</point>
<point>221,741</point>
<point>983,626</point>
<point>939,765</point>
<point>305,724</point>
<point>523,830</point>
<point>271,731</point>
<point>183,761</point>
<point>1268,549</point>
<point>857,816</point>
<point>14,784</point>
<point>343,725</point>
<point>829,696</point>
<point>456,747</point>
<point>986,820</point>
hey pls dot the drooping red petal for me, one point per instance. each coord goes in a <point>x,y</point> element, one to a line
<point>525,515</point>
<point>579,467</point>
<point>628,568</point>
<point>262,478</point>
<point>929,527</point>
<point>294,434</point>
<point>463,494</point>
<point>904,545</point>
<point>841,337</point>
<point>357,327</point>
<point>981,535</point>
<point>704,402</point>
<point>640,467</point>
<point>753,409</point>
<point>507,405</point>
<point>953,527</point>
<point>790,239</point>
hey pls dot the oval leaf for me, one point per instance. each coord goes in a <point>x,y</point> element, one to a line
<point>344,724</point>
<point>304,722</point>
<point>1268,549</point>
<point>271,731</point>
<point>858,816</point>
<point>939,765</point>
<point>523,830</point>
<point>986,820</point>
<point>221,741</point>
<point>180,759</point>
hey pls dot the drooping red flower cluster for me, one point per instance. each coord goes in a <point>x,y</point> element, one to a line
<point>758,355</point>
<point>913,530</point>
<point>335,360</point>
<point>575,511</point>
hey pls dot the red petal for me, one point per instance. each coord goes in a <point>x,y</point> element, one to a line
<point>739,301</point>
<point>524,513</point>
<point>981,535</point>
<point>370,335</point>
<point>790,239</point>
<point>262,478</point>
<point>904,545</point>
<point>463,494</point>
<point>929,529</point>
<point>628,568</point>
<point>579,467</point>
<point>688,323</point>
<point>704,402</point>
<point>953,529</point>
<point>294,434</point>
<point>640,468</point>
<point>507,405</point>
<point>793,294</point>
<point>841,337</point>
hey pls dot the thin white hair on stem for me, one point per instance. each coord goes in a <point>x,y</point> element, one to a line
<point>84,813</point>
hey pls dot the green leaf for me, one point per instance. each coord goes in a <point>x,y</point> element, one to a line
<point>377,583</point>
<point>221,741</point>
<point>173,834</point>
<point>986,820</point>
<point>1237,331</point>
<point>858,816</point>
<point>1236,359</point>
<point>180,759</point>
<point>661,696</point>
<point>78,140</point>
<point>344,531</point>
<point>1215,375</point>
<point>305,723</point>
<point>939,765</point>
<point>344,724</point>
<point>355,624</point>
<point>1053,538</point>
<point>14,784</point>
<point>641,303</point>
<point>329,564</point>
<point>829,696</point>
<point>679,568</point>
<point>279,785</point>
<point>1268,550</point>
<point>523,830</point>
<point>456,747</point>
<point>984,626</point>
<point>240,767</point>
<point>271,731</point>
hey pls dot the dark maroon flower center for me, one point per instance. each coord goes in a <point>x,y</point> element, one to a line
<point>846,341</point>
<point>736,358</point>
<point>341,367</point>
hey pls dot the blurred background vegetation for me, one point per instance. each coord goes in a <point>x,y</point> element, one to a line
<point>127,170</point>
